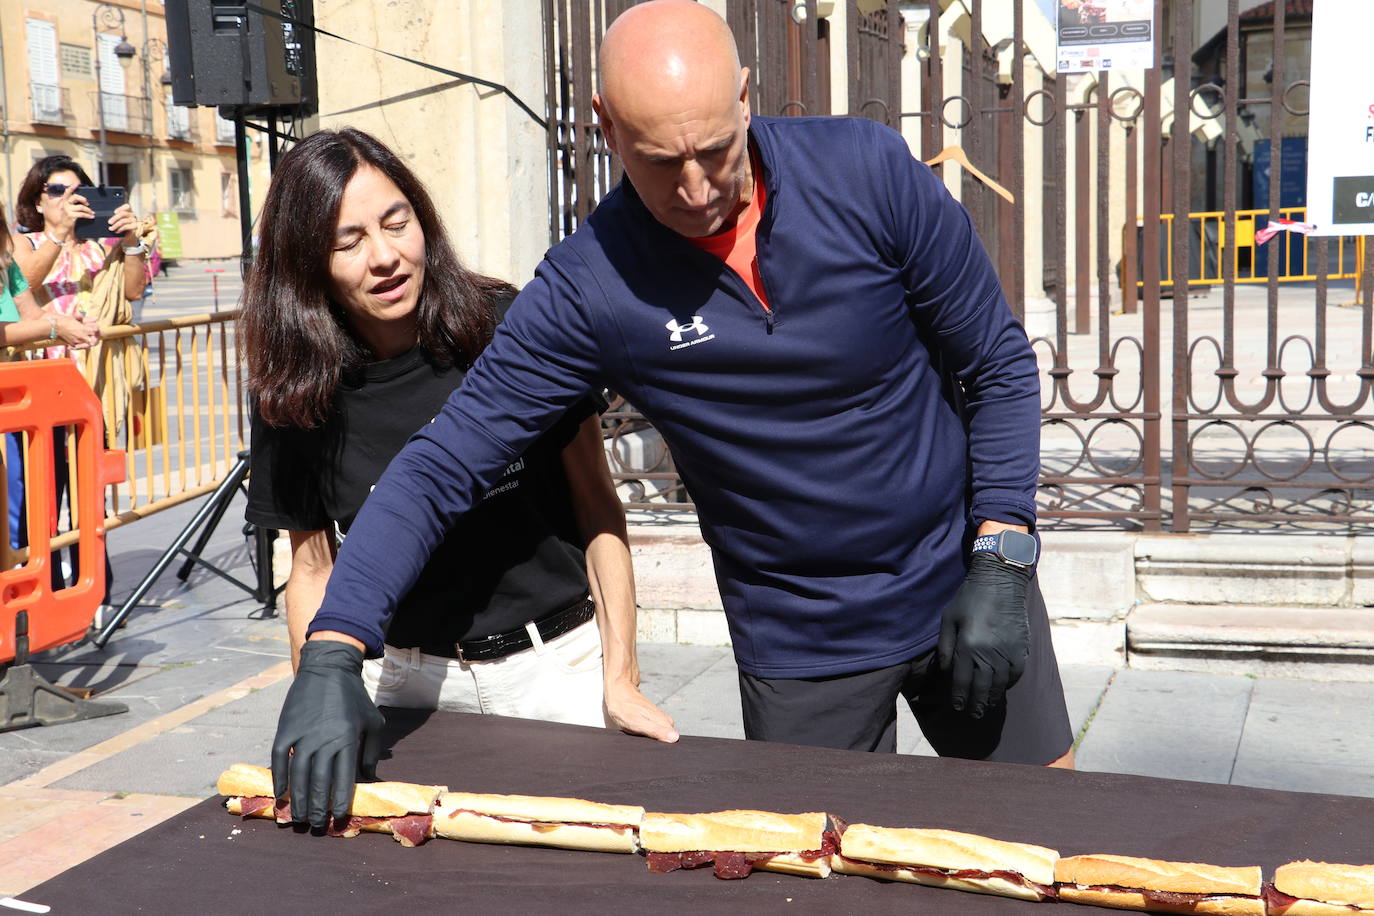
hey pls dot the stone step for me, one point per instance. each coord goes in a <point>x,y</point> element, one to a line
<point>1299,642</point>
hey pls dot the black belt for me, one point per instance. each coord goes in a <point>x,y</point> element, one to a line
<point>502,644</point>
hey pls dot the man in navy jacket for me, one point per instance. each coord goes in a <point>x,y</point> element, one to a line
<point>811,322</point>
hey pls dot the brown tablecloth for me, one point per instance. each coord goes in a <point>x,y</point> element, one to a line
<point>208,862</point>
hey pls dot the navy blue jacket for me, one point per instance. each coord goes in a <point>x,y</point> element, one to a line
<point>834,478</point>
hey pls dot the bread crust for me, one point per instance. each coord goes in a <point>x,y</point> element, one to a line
<point>998,887</point>
<point>1156,874</point>
<point>947,849</point>
<point>1325,882</point>
<point>542,808</point>
<point>1134,900</point>
<point>732,831</point>
<point>244,779</point>
<point>792,864</point>
<point>477,828</point>
<point>1305,907</point>
<point>370,799</point>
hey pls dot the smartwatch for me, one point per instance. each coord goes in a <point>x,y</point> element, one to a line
<point>1015,548</point>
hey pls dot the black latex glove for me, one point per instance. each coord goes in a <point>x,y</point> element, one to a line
<point>984,637</point>
<point>326,714</point>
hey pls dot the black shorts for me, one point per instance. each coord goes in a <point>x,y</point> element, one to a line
<point>859,711</point>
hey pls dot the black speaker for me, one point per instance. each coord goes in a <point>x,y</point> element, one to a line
<point>227,53</point>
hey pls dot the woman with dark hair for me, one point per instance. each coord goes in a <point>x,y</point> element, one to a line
<point>23,322</point>
<point>358,321</point>
<point>60,268</point>
<point>71,278</point>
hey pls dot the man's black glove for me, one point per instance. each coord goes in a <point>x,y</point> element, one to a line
<point>984,637</point>
<point>326,713</point>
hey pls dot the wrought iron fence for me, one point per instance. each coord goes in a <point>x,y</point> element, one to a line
<point>130,114</point>
<point>1190,379</point>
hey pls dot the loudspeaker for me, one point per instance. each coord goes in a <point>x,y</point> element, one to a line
<point>226,52</point>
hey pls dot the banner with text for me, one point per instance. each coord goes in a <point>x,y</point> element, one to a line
<point>1105,35</point>
<point>1340,151</point>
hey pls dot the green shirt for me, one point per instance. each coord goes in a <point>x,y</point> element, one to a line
<point>14,284</point>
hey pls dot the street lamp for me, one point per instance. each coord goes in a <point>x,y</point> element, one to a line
<point>106,17</point>
<point>155,50</point>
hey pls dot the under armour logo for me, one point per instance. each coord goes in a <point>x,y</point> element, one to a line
<point>696,324</point>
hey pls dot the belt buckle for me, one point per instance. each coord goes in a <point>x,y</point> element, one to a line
<point>458,650</point>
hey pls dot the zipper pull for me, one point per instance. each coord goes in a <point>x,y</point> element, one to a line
<point>768,317</point>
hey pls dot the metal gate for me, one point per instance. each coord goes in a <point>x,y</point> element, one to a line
<point>1192,378</point>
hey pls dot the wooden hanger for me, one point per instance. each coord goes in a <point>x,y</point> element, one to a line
<point>958,155</point>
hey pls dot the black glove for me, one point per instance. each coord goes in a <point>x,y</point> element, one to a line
<point>326,711</point>
<point>984,637</point>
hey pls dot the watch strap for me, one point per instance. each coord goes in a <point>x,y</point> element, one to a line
<point>986,543</point>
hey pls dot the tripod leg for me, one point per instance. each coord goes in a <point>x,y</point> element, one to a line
<point>222,494</point>
<point>221,506</point>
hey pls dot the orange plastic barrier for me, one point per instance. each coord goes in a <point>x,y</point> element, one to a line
<point>37,397</point>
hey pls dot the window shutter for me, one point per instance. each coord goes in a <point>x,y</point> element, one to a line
<point>43,74</point>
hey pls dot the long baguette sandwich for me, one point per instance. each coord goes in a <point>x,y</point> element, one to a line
<point>945,858</point>
<point>1321,889</point>
<point>402,809</point>
<point>568,823</point>
<point>738,842</point>
<point>1128,883</point>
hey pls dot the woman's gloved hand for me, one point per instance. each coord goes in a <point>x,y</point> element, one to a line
<point>327,714</point>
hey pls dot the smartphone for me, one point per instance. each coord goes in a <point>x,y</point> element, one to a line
<point>104,201</point>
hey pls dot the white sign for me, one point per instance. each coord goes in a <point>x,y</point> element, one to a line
<point>1105,35</point>
<point>1340,140</point>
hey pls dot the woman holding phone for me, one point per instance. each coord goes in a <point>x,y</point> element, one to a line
<point>358,322</point>
<point>58,266</point>
<point>62,270</point>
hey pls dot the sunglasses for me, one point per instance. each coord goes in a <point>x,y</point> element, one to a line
<point>55,189</point>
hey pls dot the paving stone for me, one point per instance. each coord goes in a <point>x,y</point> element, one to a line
<point>1084,687</point>
<point>708,704</point>
<point>183,761</point>
<point>1168,724</point>
<point>1309,736</point>
<point>1295,776</point>
<point>665,669</point>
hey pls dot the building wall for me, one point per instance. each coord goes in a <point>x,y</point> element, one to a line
<point>484,160</point>
<point>32,126</point>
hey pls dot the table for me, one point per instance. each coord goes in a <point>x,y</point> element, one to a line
<point>208,862</point>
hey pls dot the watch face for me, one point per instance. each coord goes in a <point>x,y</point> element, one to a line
<point>1019,547</point>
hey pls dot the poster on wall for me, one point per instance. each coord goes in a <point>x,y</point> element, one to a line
<point>1340,139</point>
<point>1105,35</point>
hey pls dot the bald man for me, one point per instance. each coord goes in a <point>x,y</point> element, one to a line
<point>810,321</point>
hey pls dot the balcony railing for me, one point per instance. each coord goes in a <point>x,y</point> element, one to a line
<point>128,114</point>
<point>50,105</point>
<point>182,124</point>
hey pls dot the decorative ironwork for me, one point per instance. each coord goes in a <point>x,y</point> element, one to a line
<point>50,105</point>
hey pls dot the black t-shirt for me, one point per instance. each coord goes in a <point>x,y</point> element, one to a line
<point>515,557</point>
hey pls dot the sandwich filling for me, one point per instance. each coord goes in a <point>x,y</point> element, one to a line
<point>409,829</point>
<point>538,825</point>
<point>1170,897</point>
<point>963,874</point>
<point>1275,898</point>
<point>729,864</point>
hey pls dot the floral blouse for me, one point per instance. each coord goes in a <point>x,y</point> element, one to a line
<point>66,289</point>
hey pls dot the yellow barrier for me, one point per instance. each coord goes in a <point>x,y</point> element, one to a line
<point>172,395</point>
<point>1345,260</point>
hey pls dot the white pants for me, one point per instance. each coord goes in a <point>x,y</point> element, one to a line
<point>559,681</point>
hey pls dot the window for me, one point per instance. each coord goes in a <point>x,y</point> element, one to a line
<point>116,104</point>
<point>181,182</point>
<point>44,87</point>
<point>76,60</point>
<point>178,122</point>
<point>224,130</point>
<point>228,194</point>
